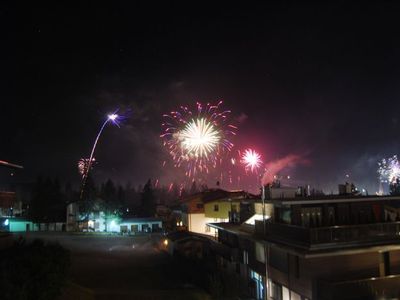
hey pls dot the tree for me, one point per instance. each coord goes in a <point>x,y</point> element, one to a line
<point>148,208</point>
<point>394,187</point>
<point>111,206</point>
<point>193,189</point>
<point>89,198</point>
<point>48,202</point>
<point>37,205</point>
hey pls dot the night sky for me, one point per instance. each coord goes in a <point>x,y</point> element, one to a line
<point>317,81</point>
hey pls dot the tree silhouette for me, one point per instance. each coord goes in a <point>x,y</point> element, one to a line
<point>394,187</point>
<point>48,203</point>
<point>111,206</point>
<point>148,207</point>
<point>193,189</point>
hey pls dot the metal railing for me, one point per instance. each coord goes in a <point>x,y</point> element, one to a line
<point>387,287</point>
<point>333,234</point>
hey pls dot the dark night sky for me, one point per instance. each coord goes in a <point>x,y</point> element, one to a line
<point>320,81</point>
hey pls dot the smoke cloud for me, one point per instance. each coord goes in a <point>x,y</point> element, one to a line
<point>274,167</point>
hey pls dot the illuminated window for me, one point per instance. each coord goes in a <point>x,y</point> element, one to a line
<point>275,291</point>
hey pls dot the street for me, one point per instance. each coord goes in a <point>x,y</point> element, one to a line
<point>119,267</point>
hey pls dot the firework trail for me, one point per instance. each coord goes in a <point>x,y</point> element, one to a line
<point>197,139</point>
<point>389,169</point>
<point>113,118</point>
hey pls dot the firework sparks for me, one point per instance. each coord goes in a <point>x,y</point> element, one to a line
<point>197,139</point>
<point>389,169</point>
<point>83,165</point>
<point>251,160</point>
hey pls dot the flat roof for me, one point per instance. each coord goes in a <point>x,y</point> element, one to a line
<point>139,220</point>
<point>247,231</point>
<point>331,199</point>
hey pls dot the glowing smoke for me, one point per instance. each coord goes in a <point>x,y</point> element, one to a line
<point>274,167</point>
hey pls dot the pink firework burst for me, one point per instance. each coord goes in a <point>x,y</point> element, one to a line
<point>251,160</point>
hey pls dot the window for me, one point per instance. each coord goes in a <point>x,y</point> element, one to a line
<point>275,291</point>
<point>296,267</point>
<point>216,208</point>
<point>294,296</point>
<point>245,257</point>
<point>155,227</point>
<point>145,227</point>
<point>260,253</point>
<point>285,293</point>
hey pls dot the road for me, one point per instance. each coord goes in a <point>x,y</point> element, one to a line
<point>105,267</point>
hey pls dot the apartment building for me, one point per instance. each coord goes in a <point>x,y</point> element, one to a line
<point>328,247</point>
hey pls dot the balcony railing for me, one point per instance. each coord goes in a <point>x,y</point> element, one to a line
<point>377,233</point>
<point>371,288</point>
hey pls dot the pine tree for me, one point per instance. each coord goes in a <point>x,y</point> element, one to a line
<point>148,208</point>
<point>193,189</point>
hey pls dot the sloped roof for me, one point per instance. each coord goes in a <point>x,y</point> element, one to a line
<point>219,194</point>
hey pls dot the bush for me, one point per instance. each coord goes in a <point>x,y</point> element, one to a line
<point>34,271</point>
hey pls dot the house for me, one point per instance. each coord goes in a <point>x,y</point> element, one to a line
<point>327,247</point>
<point>96,222</point>
<point>7,203</point>
<point>187,244</point>
<point>72,219</point>
<point>210,206</point>
<point>17,225</point>
<point>138,225</point>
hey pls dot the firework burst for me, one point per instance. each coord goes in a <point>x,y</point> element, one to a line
<point>251,160</point>
<point>83,165</point>
<point>197,139</point>
<point>389,169</point>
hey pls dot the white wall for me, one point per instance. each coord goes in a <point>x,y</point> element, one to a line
<point>198,223</point>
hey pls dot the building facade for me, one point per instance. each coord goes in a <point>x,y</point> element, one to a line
<point>211,206</point>
<point>337,247</point>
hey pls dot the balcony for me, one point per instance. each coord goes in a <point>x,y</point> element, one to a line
<point>232,254</point>
<point>371,288</point>
<point>328,237</point>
